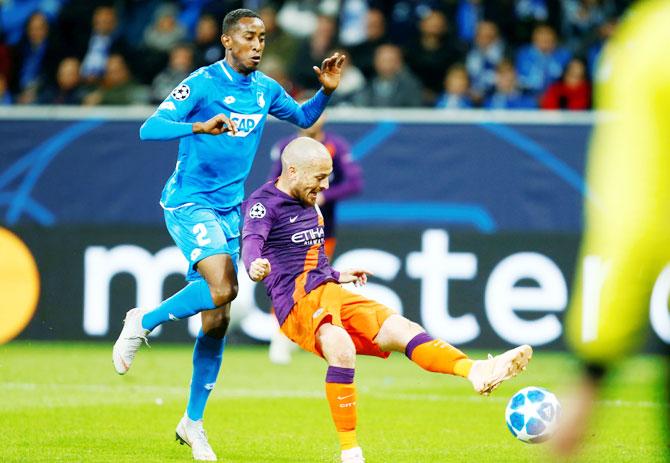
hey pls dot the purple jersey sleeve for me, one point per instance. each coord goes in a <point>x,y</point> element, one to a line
<point>256,229</point>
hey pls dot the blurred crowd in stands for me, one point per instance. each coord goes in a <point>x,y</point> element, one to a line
<point>497,54</point>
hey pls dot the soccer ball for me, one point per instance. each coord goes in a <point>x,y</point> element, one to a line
<point>532,414</point>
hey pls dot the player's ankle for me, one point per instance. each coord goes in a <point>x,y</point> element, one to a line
<point>347,439</point>
<point>463,367</point>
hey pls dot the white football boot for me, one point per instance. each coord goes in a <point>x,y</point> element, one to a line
<point>486,375</point>
<point>192,433</point>
<point>354,455</point>
<point>131,338</point>
<point>281,348</point>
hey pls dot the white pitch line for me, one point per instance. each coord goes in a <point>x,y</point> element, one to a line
<point>223,392</point>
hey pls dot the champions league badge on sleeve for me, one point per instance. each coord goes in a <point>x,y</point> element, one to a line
<point>181,93</point>
<point>257,211</point>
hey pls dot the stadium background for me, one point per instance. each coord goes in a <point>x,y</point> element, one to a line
<point>503,212</point>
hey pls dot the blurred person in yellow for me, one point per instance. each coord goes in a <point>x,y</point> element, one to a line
<point>626,243</point>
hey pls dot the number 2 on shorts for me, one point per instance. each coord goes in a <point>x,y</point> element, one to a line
<point>201,234</point>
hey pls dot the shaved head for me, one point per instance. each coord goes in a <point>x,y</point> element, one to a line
<point>302,152</point>
<point>306,166</point>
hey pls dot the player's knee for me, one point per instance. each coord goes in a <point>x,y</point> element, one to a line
<point>396,332</point>
<point>223,293</point>
<point>414,328</point>
<point>337,347</point>
<point>344,356</point>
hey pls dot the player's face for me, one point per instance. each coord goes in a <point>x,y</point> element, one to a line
<point>244,44</point>
<point>312,180</point>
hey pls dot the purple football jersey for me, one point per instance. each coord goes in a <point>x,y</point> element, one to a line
<point>289,234</point>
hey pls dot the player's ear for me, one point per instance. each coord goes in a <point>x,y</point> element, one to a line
<point>226,41</point>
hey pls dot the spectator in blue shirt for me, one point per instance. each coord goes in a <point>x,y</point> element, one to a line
<point>35,59</point>
<point>456,88</point>
<point>507,94</point>
<point>483,59</point>
<point>542,62</point>
<point>103,42</point>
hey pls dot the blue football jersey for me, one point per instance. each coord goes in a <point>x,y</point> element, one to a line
<point>211,169</point>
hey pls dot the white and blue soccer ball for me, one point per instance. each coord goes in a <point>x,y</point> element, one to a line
<point>532,414</point>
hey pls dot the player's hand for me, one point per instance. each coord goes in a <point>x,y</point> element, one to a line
<point>259,269</point>
<point>357,276</point>
<point>215,126</point>
<point>330,72</point>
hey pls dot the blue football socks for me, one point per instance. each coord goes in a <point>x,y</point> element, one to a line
<point>208,351</point>
<point>207,356</point>
<point>193,299</point>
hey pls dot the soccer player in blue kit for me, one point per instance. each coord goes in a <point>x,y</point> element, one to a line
<point>218,113</point>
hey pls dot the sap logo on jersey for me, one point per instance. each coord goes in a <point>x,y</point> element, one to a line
<point>245,123</point>
<point>309,237</point>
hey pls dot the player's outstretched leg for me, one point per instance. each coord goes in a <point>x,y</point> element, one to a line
<point>399,334</point>
<point>192,299</point>
<point>339,351</point>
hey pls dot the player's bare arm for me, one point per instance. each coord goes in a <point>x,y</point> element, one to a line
<point>259,269</point>
<point>330,72</point>
<point>357,276</point>
<point>215,126</point>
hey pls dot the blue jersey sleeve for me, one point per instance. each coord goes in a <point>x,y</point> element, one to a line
<point>168,122</point>
<point>287,109</point>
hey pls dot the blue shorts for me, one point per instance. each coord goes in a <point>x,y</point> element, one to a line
<point>200,232</point>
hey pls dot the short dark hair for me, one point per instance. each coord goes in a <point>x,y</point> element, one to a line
<point>233,17</point>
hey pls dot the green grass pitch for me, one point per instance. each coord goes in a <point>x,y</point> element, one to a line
<point>62,402</point>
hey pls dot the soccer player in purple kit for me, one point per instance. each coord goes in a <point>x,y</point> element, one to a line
<point>282,245</point>
<point>218,113</point>
<point>345,181</point>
